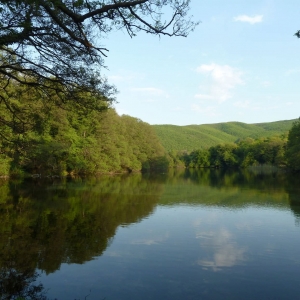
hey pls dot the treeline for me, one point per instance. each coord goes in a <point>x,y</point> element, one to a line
<point>245,153</point>
<point>68,143</point>
<point>281,151</point>
<point>38,136</point>
<point>42,136</point>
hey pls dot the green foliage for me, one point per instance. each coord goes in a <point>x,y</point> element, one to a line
<point>44,225</point>
<point>53,45</point>
<point>197,158</point>
<point>248,152</point>
<point>146,146</point>
<point>4,165</point>
<point>43,138</point>
<point>293,147</point>
<point>222,156</point>
<point>234,189</point>
<point>193,137</point>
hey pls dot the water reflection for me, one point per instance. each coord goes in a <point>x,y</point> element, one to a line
<point>223,250</point>
<point>46,224</point>
<point>151,240</point>
<point>293,189</point>
<point>229,189</point>
<point>20,285</point>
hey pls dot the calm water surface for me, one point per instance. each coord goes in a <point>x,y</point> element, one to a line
<point>183,235</point>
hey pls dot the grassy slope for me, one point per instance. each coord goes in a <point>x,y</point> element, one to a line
<point>193,137</point>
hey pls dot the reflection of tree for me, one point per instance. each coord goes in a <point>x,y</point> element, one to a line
<point>44,225</point>
<point>293,189</point>
<point>20,285</point>
<point>253,178</point>
<point>226,188</point>
<point>259,178</point>
<point>261,186</point>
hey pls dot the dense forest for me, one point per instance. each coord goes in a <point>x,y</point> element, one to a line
<point>56,114</point>
<point>41,138</point>
<point>248,152</point>
<point>280,151</point>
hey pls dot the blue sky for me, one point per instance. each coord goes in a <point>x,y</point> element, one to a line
<point>242,63</point>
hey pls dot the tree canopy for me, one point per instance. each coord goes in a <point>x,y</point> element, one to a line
<point>56,45</point>
<point>49,139</point>
<point>293,147</point>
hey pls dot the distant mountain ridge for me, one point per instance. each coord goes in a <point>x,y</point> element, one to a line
<point>191,137</point>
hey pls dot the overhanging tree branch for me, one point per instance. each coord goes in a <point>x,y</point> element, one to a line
<point>54,46</point>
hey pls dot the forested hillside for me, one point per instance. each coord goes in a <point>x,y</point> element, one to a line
<point>38,136</point>
<point>193,137</point>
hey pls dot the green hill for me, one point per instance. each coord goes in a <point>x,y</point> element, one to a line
<point>193,137</point>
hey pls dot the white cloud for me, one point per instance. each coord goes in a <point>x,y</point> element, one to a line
<point>116,78</point>
<point>147,89</point>
<point>203,96</point>
<point>177,108</point>
<point>248,19</point>
<point>150,94</point>
<point>150,90</point>
<point>266,83</point>
<point>124,76</point>
<point>209,111</point>
<point>292,71</point>
<point>246,105</point>
<point>223,79</point>
<point>121,111</point>
<point>242,104</point>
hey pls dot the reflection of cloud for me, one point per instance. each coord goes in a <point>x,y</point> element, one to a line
<point>225,257</point>
<point>248,19</point>
<point>223,79</point>
<point>112,254</point>
<point>249,226</point>
<point>147,242</point>
<point>150,241</point>
<point>224,252</point>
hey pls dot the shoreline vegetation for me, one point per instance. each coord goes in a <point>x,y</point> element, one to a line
<point>39,138</point>
<point>109,144</point>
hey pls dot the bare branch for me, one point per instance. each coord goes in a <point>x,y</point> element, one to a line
<point>107,8</point>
